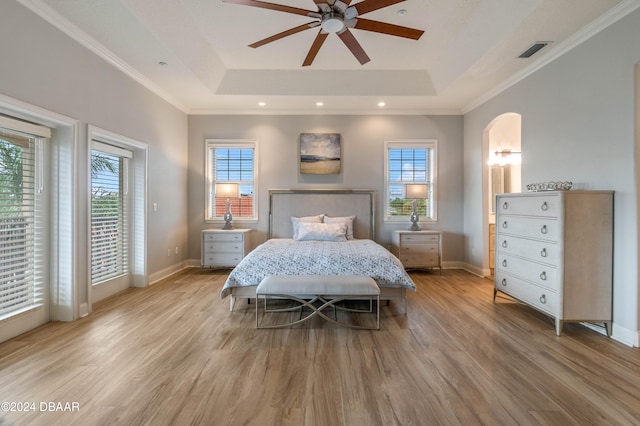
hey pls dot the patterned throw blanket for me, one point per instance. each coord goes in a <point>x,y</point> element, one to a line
<point>289,257</point>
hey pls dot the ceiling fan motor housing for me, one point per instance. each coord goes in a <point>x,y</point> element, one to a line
<point>332,22</point>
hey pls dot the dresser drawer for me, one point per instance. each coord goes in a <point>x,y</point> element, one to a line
<point>543,275</point>
<point>539,297</point>
<point>543,205</point>
<point>223,236</point>
<point>540,251</point>
<point>223,247</point>
<point>531,227</point>
<point>419,238</point>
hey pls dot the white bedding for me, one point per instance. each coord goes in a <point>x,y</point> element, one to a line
<point>289,257</point>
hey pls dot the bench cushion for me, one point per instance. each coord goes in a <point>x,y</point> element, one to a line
<point>334,285</point>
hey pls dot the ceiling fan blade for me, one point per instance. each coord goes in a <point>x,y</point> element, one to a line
<point>367,6</point>
<point>285,33</point>
<point>350,41</point>
<point>315,47</point>
<point>390,29</point>
<point>273,6</point>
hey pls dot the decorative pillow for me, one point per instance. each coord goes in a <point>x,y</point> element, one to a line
<point>309,231</point>
<point>347,220</point>
<point>304,219</point>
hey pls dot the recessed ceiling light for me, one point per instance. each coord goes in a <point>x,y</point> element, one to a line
<point>401,12</point>
<point>381,104</point>
<point>319,104</point>
<point>262,104</point>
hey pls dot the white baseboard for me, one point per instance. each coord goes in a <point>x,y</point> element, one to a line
<point>472,269</point>
<point>626,336</point>
<point>167,272</point>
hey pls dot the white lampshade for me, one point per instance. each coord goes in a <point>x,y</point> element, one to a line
<point>227,190</point>
<point>416,191</point>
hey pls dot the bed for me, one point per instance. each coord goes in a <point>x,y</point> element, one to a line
<point>281,254</point>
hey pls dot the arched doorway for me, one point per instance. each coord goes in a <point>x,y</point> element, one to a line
<point>502,160</point>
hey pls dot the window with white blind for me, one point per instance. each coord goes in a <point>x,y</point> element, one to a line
<point>23,226</point>
<point>231,161</point>
<point>109,212</point>
<point>410,163</point>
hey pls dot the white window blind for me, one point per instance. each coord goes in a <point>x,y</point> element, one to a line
<point>22,240</point>
<point>406,163</point>
<point>109,212</point>
<point>231,162</point>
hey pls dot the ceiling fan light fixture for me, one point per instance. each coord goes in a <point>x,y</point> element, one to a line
<point>332,23</point>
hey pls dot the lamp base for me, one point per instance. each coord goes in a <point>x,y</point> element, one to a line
<point>415,227</point>
<point>227,225</point>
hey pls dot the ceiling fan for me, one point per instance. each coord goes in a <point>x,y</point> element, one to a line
<point>335,16</point>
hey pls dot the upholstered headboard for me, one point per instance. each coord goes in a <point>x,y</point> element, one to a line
<point>284,203</point>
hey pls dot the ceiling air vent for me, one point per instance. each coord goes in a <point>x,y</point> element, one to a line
<point>533,49</point>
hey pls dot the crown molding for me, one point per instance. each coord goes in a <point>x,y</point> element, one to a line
<point>609,18</point>
<point>80,36</point>
<point>323,111</point>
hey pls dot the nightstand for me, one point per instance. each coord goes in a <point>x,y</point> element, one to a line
<point>418,249</point>
<point>224,248</point>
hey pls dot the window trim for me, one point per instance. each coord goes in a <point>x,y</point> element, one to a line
<point>411,144</point>
<point>210,181</point>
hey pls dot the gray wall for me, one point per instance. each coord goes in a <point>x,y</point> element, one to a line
<point>578,125</point>
<point>363,140</point>
<point>42,66</point>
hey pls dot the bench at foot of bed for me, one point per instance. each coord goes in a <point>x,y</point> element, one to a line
<point>326,289</point>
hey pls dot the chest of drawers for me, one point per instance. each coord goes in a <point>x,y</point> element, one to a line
<point>554,252</point>
<point>418,249</point>
<point>224,248</point>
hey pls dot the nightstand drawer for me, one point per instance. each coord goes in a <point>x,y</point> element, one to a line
<point>224,247</point>
<point>222,259</point>
<point>223,236</point>
<point>419,238</point>
<point>418,249</point>
<point>412,261</point>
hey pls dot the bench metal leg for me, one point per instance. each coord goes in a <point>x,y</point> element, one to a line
<point>317,310</point>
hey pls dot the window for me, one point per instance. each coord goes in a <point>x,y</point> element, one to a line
<point>410,162</point>
<point>109,212</point>
<point>231,161</point>
<point>23,235</point>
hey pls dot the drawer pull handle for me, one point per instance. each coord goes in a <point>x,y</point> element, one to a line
<point>504,224</point>
<point>543,276</point>
<point>543,230</point>
<point>505,205</point>
<point>543,252</point>
<point>544,206</point>
<point>504,244</point>
<point>543,299</point>
<point>504,282</point>
<point>504,262</point>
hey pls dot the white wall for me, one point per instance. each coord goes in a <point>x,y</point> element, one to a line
<point>363,164</point>
<point>43,67</point>
<point>577,125</point>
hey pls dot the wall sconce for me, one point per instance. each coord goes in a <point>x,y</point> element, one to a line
<point>505,157</point>
<point>228,190</point>
<point>416,192</point>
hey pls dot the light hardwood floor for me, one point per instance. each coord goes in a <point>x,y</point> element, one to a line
<point>174,354</point>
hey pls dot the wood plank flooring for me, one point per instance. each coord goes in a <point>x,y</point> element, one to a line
<point>173,354</point>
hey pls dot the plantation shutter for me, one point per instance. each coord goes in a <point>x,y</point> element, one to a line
<point>109,212</point>
<point>22,242</point>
